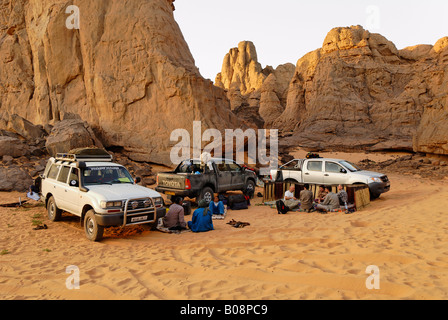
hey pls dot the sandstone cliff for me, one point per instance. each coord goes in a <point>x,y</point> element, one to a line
<point>359,91</point>
<point>256,94</point>
<point>127,72</point>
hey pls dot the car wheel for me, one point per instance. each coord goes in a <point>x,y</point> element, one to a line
<point>206,194</point>
<point>374,196</point>
<point>54,213</point>
<point>94,232</point>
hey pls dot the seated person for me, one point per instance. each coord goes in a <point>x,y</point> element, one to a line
<point>216,206</point>
<point>306,198</point>
<point>202,218</point>
<point>290,200</point>
<point>331,201</point>
<point>343,196</point>
<point>321,194</point>
<point>174,219</point>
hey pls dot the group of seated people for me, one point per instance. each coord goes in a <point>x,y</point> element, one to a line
<point>326,199</point>
<point>202,217</point>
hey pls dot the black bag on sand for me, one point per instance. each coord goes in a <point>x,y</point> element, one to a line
<point>281,208</point>
<point>239,206</point>
<point>187,207</point>
<point>236,198</point>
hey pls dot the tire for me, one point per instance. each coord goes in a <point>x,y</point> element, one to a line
<point>291,181</point>
<point>94,232</point>
<point>250,188</point>
<point>54,213</point>
<point>374,196</point>
<point>207,194</point>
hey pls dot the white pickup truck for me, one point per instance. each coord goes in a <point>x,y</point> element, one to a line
<point>88,184</point>
<point>324,171</point>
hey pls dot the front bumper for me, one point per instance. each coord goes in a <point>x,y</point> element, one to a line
<point>116,219</point>
<point>377,188</point>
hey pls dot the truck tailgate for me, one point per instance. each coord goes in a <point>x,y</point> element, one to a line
<point>172,180</point>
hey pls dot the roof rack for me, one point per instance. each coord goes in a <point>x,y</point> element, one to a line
<point>85,154</point>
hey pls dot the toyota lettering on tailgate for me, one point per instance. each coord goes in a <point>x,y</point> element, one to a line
<point>172,184</point>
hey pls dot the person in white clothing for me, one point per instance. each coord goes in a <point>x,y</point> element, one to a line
<point>290,200</point>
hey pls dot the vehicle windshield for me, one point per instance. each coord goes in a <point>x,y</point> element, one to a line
<point>350,166</point>
<point>106,175</point>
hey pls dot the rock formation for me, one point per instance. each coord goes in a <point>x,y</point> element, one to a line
<point>71,134</point>
<point>243,77</point>
<point>359,91</point>
<point>127,71</point>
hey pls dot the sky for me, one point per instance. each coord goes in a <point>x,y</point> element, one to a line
<point>285,30</point>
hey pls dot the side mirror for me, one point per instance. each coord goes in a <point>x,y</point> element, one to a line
<point>137,180</point>
<point>343,171</point>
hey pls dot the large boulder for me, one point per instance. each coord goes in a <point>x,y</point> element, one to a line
<point>14,147</point>
<point>14,179</point>
<point>71,134</point>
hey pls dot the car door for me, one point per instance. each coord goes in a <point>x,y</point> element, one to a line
<point>237,176</point>
<point>61,187</point>
<point>313,172</point>
<point>224,176</point>
<point>72,192</point>
<point>334,173</point>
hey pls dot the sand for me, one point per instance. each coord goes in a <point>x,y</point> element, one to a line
<point>288,257</point>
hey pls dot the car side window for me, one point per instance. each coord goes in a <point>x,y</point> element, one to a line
<point>63,174</point>
<point>315,166</point>
<point>54,170</point>
<point>293,165</point>
<point>222,166</point>
<point>234,167</point>
<point>332,167</point>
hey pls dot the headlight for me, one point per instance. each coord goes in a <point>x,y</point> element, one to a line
<point>376,179</point>
<point>111,204</point>
<point>158,202</point>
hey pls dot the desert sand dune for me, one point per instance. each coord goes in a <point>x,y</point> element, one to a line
<point>293,256</point>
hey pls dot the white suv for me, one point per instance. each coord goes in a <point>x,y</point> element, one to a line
<point>86,183</point>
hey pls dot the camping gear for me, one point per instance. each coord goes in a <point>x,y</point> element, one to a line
<point>235,200</point>
<point>281,207</point>
<point>312,155</point>
<point>187,207</point>
<point>238,224</point>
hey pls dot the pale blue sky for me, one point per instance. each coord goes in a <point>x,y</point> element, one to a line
<point>285,30</point>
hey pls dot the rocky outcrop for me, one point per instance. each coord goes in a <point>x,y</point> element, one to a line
<point>14,147</point>
<point>359,91</point>
<point>243,77</point>
<point>71,134</point>
<point>127,72</point>
<point>241,67</point>
<point>14,179</point>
